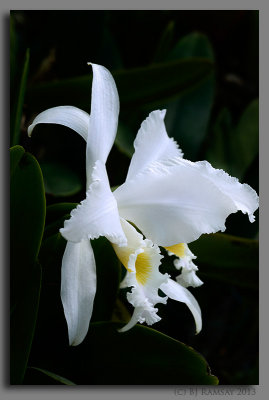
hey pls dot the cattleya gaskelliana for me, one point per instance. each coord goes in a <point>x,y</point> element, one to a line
<point>172,201</point>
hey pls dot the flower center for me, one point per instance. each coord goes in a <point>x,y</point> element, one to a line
<point>142,263</point>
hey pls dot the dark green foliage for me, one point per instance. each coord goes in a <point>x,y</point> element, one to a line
<point>27,209</point>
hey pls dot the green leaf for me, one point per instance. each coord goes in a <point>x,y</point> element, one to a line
<point>60,179</point>
<point>120,313</point>
<point>110,47</point>
<point>23,321</point>
<point>218,151</point>
<point>108,270</point>
<point>58,210</point>
<point>125,139</point>
<point>56,214</point>
<point>16,154</point>
<point>228,259</point>
<point>27,207</point>
<point>27,218</point>
<point>13,54</point>
<point>140,356</point>
<point>165,42</point>
<point>151,84</point>
<point>16,112</point>
<point>55,377</point>
<point>188,117</point>
<point>234,148</point>
<point>51,253</point>
<point>193,45</point>
<point>245,143</point>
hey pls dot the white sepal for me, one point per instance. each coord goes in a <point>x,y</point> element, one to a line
<point>78,287</point>
<point>69,116</point>
<point>103,119</point>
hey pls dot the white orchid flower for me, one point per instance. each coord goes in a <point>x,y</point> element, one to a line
<point>172,201</point>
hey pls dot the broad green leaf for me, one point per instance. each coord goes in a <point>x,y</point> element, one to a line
<point>187,118</point>
<point>234,148</point>
<point>55,377</point>
<point>16,154</point>
<point>245,141</point>
<point>141,356</point>
<point>165,42</point>
<point>27,205</point>
<point>23,321</point>
<point>51,253</point>
<point>108,269</point>
<point>218,151</point>
<point>193,45</point>
<point>16,112</point>
<point>60,179</point>
<point>125,139</point>
<point>58,210</point>
<point>56,214</point>
<point>228,259</point>
<point>27,218</point>
<point>151,84</point>
<point>120,312</point>
<point>13,54</point>
<point>110,47</point>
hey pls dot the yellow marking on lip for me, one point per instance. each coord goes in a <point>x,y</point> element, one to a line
<point>143,268</point>
<point>142,265</point>
<point>177,249</point>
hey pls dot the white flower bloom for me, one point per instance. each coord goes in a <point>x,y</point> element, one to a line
<point>172,201</point>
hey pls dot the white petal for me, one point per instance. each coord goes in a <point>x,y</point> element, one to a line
<point>104,116</point>
<point>243,196</point>
<point>78,287</point>
<point>176,292</point>
<point>173,203</point>
<point>152,144</point>
<point>97,215</point>
<point>69,116</point>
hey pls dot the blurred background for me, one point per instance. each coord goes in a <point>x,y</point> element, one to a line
<point>202,66</point>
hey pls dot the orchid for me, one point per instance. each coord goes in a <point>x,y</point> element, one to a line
<point>166,201</point>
